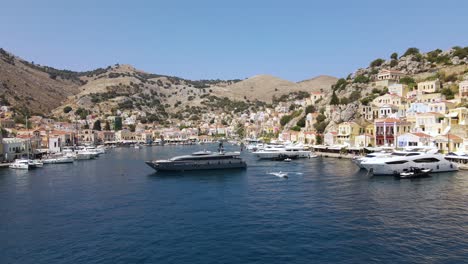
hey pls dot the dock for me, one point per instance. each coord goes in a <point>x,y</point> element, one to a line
<point>4,165</point>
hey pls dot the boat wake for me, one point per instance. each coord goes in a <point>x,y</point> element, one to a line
<point>279,174</point>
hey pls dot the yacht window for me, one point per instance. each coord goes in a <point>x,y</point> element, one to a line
<point>426,160</point>
<point>396,162</point>
<point>412,154</point>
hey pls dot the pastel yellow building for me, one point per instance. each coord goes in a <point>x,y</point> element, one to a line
<point>429,86</point>
<point>347,131</point>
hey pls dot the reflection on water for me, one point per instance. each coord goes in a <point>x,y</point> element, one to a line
<point>117,209</point>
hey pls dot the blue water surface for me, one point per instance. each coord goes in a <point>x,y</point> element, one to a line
<point>115,209</point>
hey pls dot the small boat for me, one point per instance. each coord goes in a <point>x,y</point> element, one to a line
<point>36,163</point>
<point>313,155</point>
<point>58,160</point>
<point>280,174</point>
<point>20,164</point>
<point>287,160</point>
<point>137,146</point>
<point>85,155</point>
<point>414,172</point>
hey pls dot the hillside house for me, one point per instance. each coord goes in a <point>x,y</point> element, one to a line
<point>415,139</point>
<point>428,86</point>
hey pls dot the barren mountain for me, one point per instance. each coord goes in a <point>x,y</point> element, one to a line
<point>43,89</point>
<point>320,83</point>
<point>24,85</point>
<point>264,87</point>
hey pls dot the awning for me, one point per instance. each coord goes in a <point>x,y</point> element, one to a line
<point>453,114</point>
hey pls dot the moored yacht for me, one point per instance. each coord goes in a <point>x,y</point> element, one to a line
<point>359,159</point>
<point>403,161</point>
<point>202,160</point>
<point>58,160</point>
<point>278,151</point>
<point>20,164</point>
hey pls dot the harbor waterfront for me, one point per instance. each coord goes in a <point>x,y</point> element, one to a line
<point>116,209</point>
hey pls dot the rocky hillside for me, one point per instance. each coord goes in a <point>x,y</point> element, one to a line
<point>105,91</point>
<point>32,88</point>
<point>450,67</point>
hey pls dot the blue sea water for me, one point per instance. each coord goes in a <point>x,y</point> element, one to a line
<point>117,210</point>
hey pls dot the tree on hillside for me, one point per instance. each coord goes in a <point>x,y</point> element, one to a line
<point>361,79</point>
<point>334,99</point>
<point>285,119</point>
<point>86,126</point>
<point>118,123</point>
<point>318,139</point>
<point>301,122</point>
<point>107,126</point>
<point>377,62</point>
<point>67,109</point>
<point>97,125</point>
<point>411,51</point>
<point>310,109</point>
<point>449,94</point>
<point>394,56</point>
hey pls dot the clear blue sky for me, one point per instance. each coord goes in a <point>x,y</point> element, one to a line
<point>209,39</point>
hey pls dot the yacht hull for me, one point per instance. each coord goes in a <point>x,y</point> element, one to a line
<point>283,154</point>
<point>385,169</point>
<point>187,166</point>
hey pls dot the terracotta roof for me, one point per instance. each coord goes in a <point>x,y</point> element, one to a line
<point>388,120</point>
<point>420,134</point>
<point>391,71</point>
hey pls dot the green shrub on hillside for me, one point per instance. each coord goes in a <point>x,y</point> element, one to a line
<point>67,109</point>
<point>340,85</point>
<point>361,79</point>
<point>411,51</point>
<point>377,62</point>
<point>301,122</point>
<point>285,119</point>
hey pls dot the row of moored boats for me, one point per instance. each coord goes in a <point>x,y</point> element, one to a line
<point>68,155</point>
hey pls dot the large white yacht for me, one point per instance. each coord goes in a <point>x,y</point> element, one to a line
<point>402,161</point>
<point>280,151</point>
<point>202,160</point>
<point>359,159</point>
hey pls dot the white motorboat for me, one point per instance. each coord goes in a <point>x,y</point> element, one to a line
<point>402,161</point>
<point>278,152</point>
<point>20,164</point>
<point>414,173</point>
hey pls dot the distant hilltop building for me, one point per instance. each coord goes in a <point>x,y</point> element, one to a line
<point>385,77</point>
<point>390,75</point>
